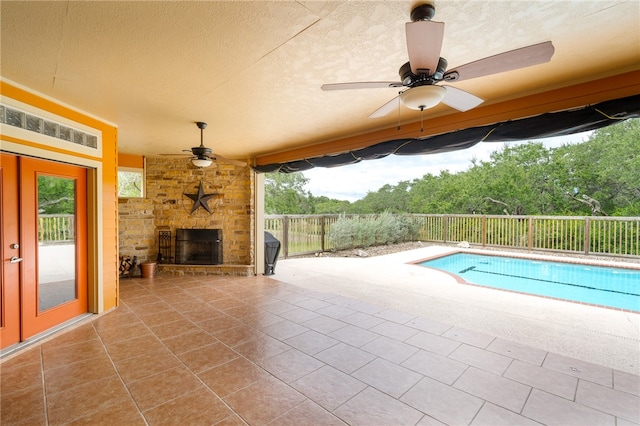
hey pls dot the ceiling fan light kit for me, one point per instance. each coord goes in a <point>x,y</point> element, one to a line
<point>201,162</point>
<point>423,97</point>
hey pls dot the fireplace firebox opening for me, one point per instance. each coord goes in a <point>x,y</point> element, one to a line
<point>199,246</point>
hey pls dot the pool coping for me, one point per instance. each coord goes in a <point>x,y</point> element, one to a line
<point>569,260</point>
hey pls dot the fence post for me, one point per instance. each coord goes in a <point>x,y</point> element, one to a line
<point>285,236</point>
<point>530,233</point>
<point>484,230</point>
<point>587,235</point>
<point>445,228</point>
<point>322,232</point>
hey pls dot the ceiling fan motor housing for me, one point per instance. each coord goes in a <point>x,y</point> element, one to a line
<point>410,79</point>
<point>423,12</point>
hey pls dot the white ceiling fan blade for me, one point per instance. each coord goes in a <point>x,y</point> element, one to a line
<point>502,62</point>
<point>459,99</point>
<point>361,85</point>
<point>424,42</point>
<point>385,109</point>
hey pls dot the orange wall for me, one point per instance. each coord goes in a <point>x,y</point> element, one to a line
<point>109,194</point>
<point>129,160</point>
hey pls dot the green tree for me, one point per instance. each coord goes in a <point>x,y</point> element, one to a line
<point>285,194</point>
<point>56,195</point>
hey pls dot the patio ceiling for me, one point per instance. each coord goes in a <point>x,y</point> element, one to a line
<point>253,70</point>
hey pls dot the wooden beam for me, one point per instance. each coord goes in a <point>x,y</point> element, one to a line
<point>579,95</point>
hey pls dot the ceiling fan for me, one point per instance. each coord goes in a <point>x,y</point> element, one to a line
<point>426,69</point>
<point>201,156</point>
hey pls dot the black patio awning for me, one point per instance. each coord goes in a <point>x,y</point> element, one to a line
<point>546,125</point>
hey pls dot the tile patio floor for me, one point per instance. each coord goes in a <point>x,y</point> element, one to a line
<point>233,351</point>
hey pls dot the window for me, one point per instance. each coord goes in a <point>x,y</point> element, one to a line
<point>130,182</point>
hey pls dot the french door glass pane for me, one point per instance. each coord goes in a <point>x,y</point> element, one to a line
<point>56,241</point>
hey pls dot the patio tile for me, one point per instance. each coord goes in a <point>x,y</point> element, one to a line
<point>198,407</point>
<point>78,373</point>
<point>261,347</point>
<point>387,377</point>
<point>354,336</point>
<point>125,413</point>
<point>16,375</point>
<point>547,380</point>
<point>470,337</point>
<point>284,329</point>
<point>207,357</point>
<point>324,324</point>
<point>395,316</point>
<point>345,357</point>
<point>135,329</point>
<point>188,341</point>
<point>394,330</point>
<point>362,319</point>
<point>232,376</point>
<point>264,400</point>
<point>553,410</point>
<point>580,369</point>
<point>307,413</point>
<point>277,306</point>
<point>54,356</point>
<point>298,315</point>
<point>347,302</point>
<point>626,382</point>
<point>442,402</point>
<point>429,421</point>
<point>312,304</point>
<point>503,392</point>
<point>617,403</point>
<point>366,308</point>
<point>291,365</point>
<point>492,415</point>
<point>162,387</point>
<point>435,366</point>
<point>145,365</point>
<point>485,360</point>
<point>174,328</point>
<point>390,349</point>
<point>432,343</point>
<point>372,407</point>
<point>311,342</point>
<point>329,387</point>
<point>134,347</point>
<point>24,405</point>
<point>518,351</point>
<point>430,326</point>
<point>219,324</point>
<point>204,314</point>
<point>76,402</point>
<point>236,335</point>
<point>335,311</point>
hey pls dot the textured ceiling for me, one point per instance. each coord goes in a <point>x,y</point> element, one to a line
<point>253,70</point>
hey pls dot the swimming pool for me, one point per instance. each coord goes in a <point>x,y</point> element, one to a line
<point>612,287</point>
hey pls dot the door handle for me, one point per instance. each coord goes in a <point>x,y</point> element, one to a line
<point>15,259</point>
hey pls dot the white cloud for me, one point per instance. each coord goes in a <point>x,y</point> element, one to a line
<point>354,181</point>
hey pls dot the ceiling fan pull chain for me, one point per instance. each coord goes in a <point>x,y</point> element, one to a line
<point>421,119</point>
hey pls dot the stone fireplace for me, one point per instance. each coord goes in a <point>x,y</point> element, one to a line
<point>166,210</point>
<point>199,246</point>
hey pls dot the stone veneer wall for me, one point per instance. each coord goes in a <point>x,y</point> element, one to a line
<point>167,182</point>
<point>136,229</point>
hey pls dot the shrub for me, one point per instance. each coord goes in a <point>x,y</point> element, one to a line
<point>365,231</point>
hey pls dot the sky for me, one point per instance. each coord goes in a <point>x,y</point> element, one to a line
<point>352,182</point>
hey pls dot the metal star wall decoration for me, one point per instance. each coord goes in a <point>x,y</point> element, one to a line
<point>201,199</point>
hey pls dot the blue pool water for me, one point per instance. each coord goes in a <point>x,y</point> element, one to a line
<point>614,287</point>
